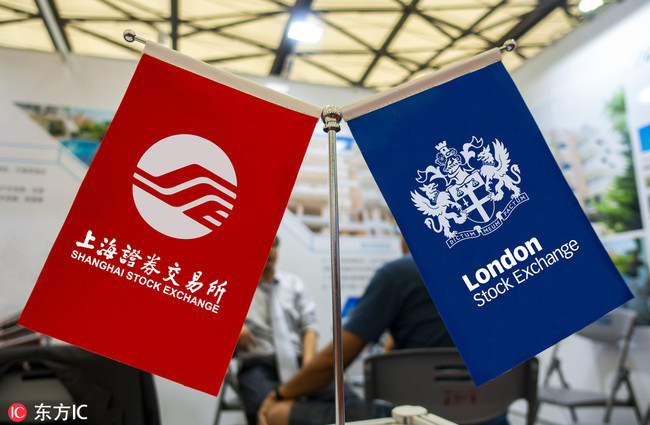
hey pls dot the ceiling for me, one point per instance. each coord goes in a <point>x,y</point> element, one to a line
<point>367,43</point>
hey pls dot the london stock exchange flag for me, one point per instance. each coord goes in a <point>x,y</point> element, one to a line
<point>161,252</point>
<point>503,246</point>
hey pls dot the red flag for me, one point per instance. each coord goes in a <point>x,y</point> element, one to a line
<point>162,250</point>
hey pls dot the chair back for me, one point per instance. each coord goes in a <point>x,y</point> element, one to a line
<point>110,392</point>
<point>617,325</point>
<point>437,379</point>
<point>13,335</point>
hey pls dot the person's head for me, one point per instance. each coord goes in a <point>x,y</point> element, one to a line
<point>269,267</point>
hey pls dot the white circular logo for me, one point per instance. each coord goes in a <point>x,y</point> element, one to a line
<point>184,186</point>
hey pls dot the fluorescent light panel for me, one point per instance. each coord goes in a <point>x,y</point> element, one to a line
<point>305,32</point>
<point>586,6</point>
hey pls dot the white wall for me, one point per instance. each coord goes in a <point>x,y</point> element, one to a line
<point>564,88</point>
<point>27,234</point>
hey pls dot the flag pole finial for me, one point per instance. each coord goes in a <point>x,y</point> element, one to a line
<point>129,36</point>
<point>331,116</point>
<point>509,46</point>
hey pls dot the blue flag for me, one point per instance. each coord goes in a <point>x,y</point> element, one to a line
<point>504,248</point>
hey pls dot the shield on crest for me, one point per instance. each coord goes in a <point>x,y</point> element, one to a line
<point>473,197</point>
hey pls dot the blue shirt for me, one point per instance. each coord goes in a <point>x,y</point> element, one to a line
<point>397,300</point>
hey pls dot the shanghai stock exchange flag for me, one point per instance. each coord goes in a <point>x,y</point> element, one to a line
<point>502,244</point>
<point>161,252</point>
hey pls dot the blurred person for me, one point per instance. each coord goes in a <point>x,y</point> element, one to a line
<point>279,334</point>
<point>397,301</point>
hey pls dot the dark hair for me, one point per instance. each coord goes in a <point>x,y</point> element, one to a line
<point>276,241</point>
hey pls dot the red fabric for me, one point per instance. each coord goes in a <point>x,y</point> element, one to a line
<point>133,320</point>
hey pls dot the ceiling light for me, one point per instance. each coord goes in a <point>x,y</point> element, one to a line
<point>305,32</point>
<point>586,6</point>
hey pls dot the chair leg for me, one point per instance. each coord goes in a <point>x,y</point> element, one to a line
<point>217,415</point>
<point>623,379</point>
<point>632,399</point>
<point>533,407</point>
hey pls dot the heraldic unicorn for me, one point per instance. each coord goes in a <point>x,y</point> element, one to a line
<point>468,194</point>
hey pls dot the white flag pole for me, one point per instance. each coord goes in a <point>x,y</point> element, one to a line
<point>331,116</point>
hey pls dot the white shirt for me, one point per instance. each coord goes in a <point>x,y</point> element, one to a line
<point>298,308</point>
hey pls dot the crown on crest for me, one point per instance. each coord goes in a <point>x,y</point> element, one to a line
<point>444,152</point>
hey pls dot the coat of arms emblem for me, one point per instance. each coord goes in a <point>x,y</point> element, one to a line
<point>469,193</point>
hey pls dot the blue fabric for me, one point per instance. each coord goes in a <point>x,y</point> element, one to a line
<point>463,220</point>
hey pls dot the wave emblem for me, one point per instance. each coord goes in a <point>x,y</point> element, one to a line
<point>184,186</point>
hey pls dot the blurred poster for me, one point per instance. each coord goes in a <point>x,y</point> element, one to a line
<point>632,257</point>
<point>629,255</point>
<point>79,130</point>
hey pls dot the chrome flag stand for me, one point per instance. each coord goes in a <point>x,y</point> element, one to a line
<point>331,117</point>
